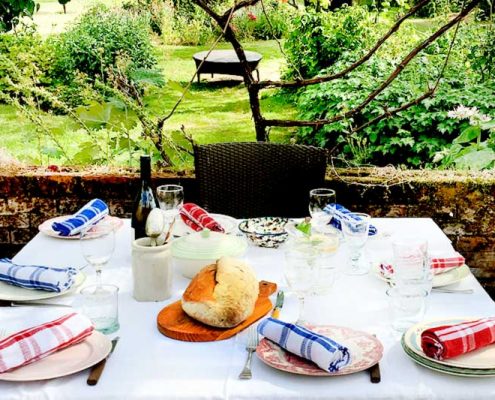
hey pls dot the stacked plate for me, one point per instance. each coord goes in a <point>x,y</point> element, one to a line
<point>478,363</point>
<point>446,278</point>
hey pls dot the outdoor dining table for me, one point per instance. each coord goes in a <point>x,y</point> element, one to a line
<point>149,365</point>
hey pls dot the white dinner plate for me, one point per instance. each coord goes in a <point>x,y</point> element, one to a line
<point>366,350</point>
<point>229,224</point>
<point>449,277</point>
<point>64,362</point>
<point>16,293</point>
<point>483,358</point>
<point>46,227</point>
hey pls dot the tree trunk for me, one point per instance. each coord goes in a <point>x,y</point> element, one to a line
<point>65,9</point>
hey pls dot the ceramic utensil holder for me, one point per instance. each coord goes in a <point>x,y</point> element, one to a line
<point>151,271</point>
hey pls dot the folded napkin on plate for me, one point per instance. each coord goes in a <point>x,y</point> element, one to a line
<point>341,213</point>
<point>35,343</point>
<point>449,341</point>
<point>438,264</point>
<point>198,219</point>
<point>323,351</point>
<point>37,276</point>
<point>89,215</point>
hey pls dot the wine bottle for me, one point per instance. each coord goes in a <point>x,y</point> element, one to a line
<point>145,200</point>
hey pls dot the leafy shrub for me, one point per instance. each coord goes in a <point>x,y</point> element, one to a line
<point>97,41</point>
<point>252,23</point>
<point>319,40</point>
<point>157,12</point>
<point>12,10</point>
<point>23,55</point>
<point>415,135</point>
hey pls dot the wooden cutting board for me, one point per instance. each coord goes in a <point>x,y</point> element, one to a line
<point>175,323</point>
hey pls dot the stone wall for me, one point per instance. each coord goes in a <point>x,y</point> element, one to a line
<point>462,205</point>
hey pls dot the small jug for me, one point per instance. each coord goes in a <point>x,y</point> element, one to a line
<point>151,270</point>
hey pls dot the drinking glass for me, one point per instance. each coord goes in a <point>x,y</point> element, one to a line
<point>327,262</point>
<point>97,246</point>
<point>411,263</point>
<point>318,200</point>
<point>170,198</point>
<point>299,271</point>
<point>100,305</point>
<point>407,306</point>
<point>355,228</point>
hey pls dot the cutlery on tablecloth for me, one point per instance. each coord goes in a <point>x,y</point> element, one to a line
<point>461,291</point>
<point>97,369</point>
<point>252,343</point>
<point>374,370</point>
<point>278,304</point>
<point>3,333</point>
<point>8,303</point>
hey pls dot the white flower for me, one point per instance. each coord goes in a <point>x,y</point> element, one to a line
<point>478,119</point>
<point>463,112</point>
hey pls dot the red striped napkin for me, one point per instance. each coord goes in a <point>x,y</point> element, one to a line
<point>35,343</point>
<point>439,264</point>
<point>198,219</point>
<point>449,341</point>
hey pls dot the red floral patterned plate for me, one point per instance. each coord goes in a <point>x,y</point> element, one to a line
<point>366,350</point>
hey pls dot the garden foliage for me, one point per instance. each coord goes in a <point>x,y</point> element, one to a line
<point>324,44</point>
<point>12,10</point>
<point>95,43</point>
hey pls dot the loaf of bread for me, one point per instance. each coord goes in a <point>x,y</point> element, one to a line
<point>222,294</point>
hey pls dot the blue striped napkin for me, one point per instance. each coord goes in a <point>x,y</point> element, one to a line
<point>323,351</point>
<point>37,276</point>
<point>89,215</point>
<point>340,213</point>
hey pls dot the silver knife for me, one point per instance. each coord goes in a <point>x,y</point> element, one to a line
<point>97,369</point>
<point>36,304</point>
<point>278,304</point>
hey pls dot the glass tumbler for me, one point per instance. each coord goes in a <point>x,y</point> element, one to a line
<point>100,305</point>
<point>407,306</point>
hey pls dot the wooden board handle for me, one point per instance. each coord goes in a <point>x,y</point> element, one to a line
<point>267,288</point>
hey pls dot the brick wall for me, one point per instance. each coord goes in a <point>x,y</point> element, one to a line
<point>462,205</point>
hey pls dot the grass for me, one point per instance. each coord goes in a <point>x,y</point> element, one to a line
<point>212,111</point>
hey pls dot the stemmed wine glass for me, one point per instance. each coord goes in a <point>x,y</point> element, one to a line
<point>170,198</point>
<point>299,272</point>
<point>97,245</point>
<point>355,228</point>
<point>318,200</point>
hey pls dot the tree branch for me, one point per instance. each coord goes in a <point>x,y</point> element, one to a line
<point>459,17</point>
<point>429,93</point>
<point>366,57</point>
<point>238,6</point>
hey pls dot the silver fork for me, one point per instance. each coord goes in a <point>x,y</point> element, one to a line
<point>252,343</point>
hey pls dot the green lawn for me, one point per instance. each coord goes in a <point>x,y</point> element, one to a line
<point>213,111</point>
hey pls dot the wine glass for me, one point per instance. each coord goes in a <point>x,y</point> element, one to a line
<point>318,200</point>
<point>170,198</point>
<point>97,245</point>
<point>355,228</point>
<point>299,272</point>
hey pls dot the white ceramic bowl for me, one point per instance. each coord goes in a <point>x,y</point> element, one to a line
<point>189,267</point>
<point>192,252</point>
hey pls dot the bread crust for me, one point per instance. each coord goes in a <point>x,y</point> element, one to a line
<point>222,294</point>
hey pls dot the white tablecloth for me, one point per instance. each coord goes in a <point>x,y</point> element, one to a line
<point>148,365</point>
